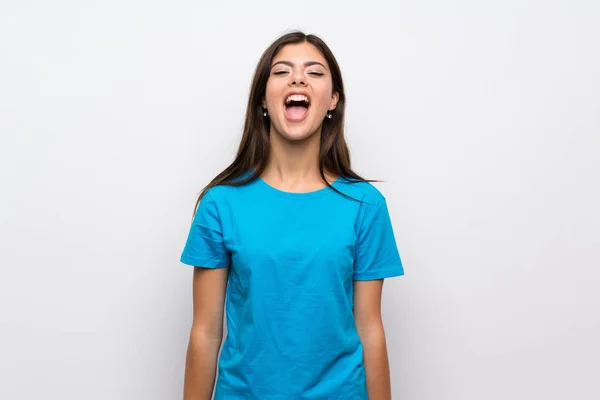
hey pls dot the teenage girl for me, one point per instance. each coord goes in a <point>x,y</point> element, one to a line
<point>294,245</point>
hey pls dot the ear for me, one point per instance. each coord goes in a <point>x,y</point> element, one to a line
<point>264,102</point>
<point>334,100</point>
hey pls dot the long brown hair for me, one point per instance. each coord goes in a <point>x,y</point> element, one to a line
<point>253,151</point>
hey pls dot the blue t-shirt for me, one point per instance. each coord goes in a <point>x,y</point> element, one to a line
<point>293,258</point>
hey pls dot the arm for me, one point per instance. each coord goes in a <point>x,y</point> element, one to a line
<point>206,334</point>
<point>367,315</point>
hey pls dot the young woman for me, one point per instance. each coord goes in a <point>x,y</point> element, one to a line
<point>296,243</point>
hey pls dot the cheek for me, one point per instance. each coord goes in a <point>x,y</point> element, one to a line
<point>271,93</point>
<point>324,99</point>
<point>323,93</point>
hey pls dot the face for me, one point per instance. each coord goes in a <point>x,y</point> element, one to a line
<point>301,69</point>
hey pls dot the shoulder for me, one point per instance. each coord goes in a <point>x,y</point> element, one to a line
<point>223,193</point>
<point>220,194</point>
<point>366,192</point>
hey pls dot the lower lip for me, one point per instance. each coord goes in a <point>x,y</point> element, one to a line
<point>299,119</point>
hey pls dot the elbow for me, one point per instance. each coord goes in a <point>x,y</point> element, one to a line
<point>206,333</point>
<point>371,333</point>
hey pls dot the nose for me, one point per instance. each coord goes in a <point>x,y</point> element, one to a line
<point>297,78</point>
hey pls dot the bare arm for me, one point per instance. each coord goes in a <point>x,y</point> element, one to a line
<point>367,315</point>
<point>206,334</point>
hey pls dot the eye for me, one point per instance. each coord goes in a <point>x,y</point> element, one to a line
<point>316,73</point>
<point>279,72</point>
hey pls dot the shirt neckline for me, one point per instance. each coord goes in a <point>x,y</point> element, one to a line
<point>298,195</point>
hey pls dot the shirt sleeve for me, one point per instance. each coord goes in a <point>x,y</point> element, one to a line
<point>205,246</point>
<point>377,254</point>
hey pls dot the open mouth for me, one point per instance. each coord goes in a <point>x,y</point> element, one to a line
<point>296,107</point>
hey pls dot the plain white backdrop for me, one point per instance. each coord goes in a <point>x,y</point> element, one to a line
<point>482,117</point>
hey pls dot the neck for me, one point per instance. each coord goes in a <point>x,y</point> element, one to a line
<point>294,162</point>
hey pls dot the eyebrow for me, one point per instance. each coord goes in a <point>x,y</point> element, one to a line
<point>306,64</point>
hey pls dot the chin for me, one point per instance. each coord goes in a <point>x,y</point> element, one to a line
<point>297,136</point>
<point>296,133</point>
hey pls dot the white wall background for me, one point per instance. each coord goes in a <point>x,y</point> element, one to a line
<point>483,118</point>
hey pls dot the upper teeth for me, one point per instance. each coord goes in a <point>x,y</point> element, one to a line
<point>296,97</point>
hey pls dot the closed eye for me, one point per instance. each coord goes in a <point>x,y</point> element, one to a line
<point>310,73</point>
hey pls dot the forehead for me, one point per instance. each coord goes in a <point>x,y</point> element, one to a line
<point>299,53</point>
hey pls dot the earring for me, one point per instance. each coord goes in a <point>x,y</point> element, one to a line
<point>265,112</point>
<point>329,114</point>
